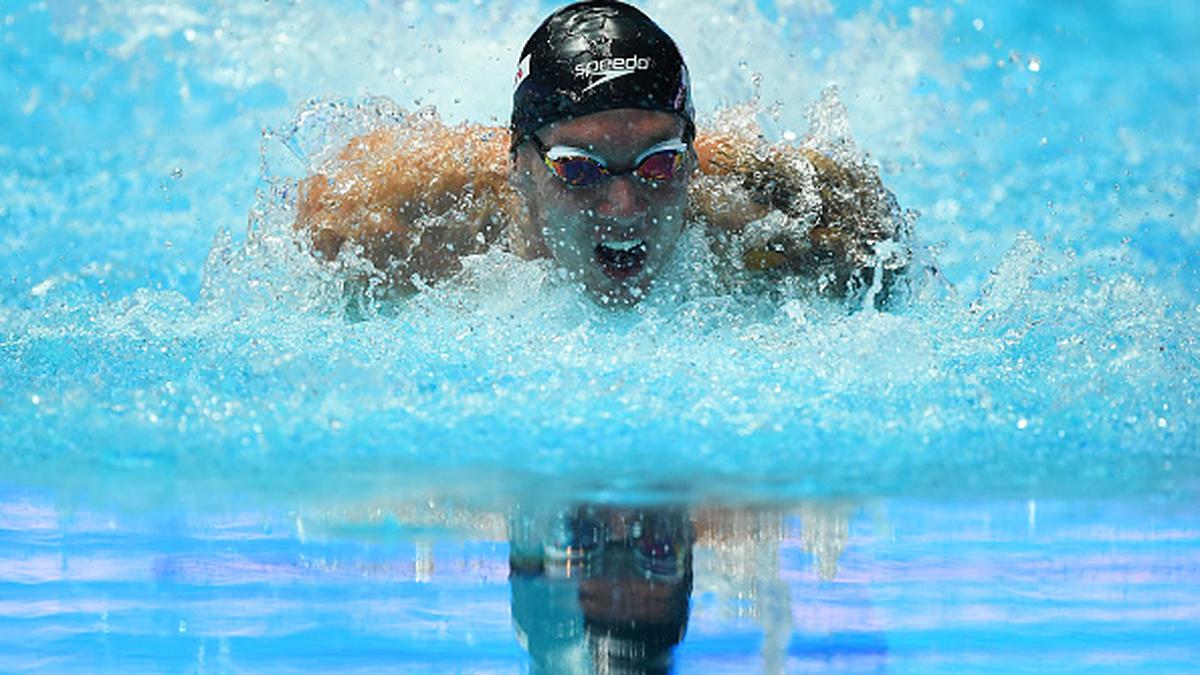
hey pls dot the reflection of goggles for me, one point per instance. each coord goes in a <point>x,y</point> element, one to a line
<point>579,168</point>
<point>657,545</point>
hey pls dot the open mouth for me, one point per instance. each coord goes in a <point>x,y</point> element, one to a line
<point>621,259</point>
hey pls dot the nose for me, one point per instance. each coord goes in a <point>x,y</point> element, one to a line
<point>620,198</point>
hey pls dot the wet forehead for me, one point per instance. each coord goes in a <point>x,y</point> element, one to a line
<point>615,133</point>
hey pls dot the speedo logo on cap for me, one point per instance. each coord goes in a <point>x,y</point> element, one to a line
<point>609,69</point>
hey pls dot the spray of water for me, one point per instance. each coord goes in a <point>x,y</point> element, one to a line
<point>1053,364</point>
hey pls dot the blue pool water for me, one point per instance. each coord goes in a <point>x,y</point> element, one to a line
<point>205,466</point>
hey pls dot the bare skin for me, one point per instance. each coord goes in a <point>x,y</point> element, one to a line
<point>417,198</point>
<point>569,224</point>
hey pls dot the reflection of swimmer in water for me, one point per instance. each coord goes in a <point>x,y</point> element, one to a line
<point>600,169</point>
<point>601,589</point>
<point>607,589</point>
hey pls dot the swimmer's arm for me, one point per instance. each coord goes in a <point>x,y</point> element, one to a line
<point>415,198</point>
<point>720,196</point>
<point>837,215</point>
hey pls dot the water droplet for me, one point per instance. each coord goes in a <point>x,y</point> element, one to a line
<point>177,173</point>
<point>1035,64</point>
<point>978,24</point>
<point>1022,423</point>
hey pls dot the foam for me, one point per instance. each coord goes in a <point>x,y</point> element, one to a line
<point>1066,364</point>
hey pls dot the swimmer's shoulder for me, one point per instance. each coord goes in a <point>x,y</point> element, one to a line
<point>414,196</point>
<point>793,210</point>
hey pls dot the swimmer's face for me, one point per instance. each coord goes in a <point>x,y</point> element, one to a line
<point>613,236</point>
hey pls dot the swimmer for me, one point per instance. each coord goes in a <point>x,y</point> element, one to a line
<point>601,589</point>
<point>600,170</point>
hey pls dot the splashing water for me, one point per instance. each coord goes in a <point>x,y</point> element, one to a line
<point>154,348</point>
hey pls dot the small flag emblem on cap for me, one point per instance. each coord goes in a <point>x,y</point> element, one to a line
<point>522,71</point>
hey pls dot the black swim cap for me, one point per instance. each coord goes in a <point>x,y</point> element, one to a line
<point>593,56</point>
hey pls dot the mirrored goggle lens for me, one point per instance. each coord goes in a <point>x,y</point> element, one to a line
<point>577,171</point>
<point>660,166</point>
<point>658,554</point>
<point>581,171</point>
<point>575,539</point>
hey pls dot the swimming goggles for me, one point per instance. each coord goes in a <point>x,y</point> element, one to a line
<point>658,545</point>
<point>579,168</point>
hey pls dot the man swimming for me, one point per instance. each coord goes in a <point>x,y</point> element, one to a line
<point>600,170</point>
<point>601,588</point>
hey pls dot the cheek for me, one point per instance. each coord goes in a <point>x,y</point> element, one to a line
<point>670,212</point>
<point>562,233</point>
